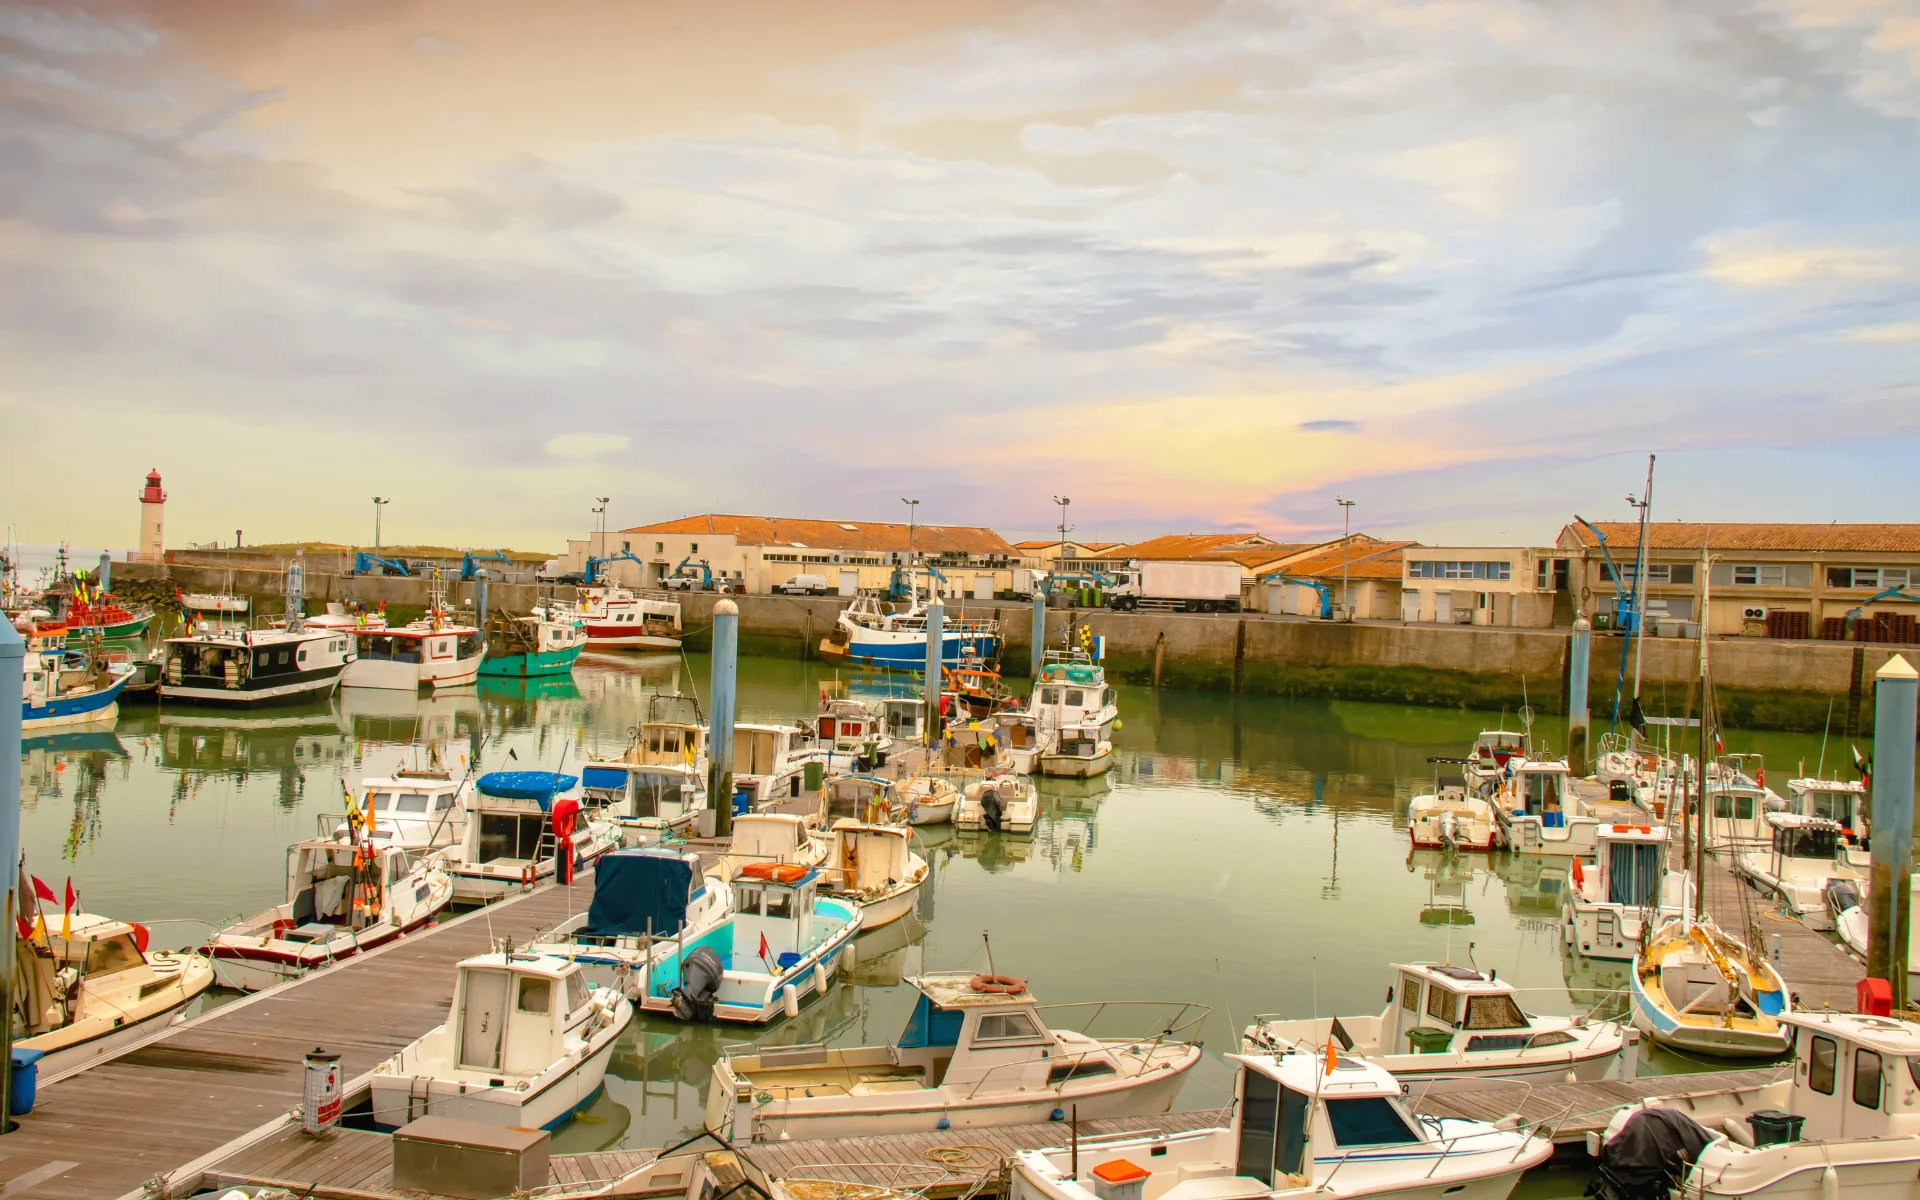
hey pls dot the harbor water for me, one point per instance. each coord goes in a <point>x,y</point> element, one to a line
<point>1248,854</point>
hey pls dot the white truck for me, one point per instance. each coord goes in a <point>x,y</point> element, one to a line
<point>1175,587</point>
<point>803,585</point>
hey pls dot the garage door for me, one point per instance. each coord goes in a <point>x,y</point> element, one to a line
<point>983,587</point>
<point>849,583</point>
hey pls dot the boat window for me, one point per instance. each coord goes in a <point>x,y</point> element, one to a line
<point>1442,1004</point>
<point>1079,1068</point>
<point>1259,1124</point>
<point>1076,697</point>
<point>1494,1012</point>
<point>1482,1042</point>
<point>411,802</point>
<point>1866,1078</point>
<point>1809,843</point>
<point>1368,1121</point>
<point>1410,993</point>
<point>108,955</point>
<point>443,803</point>
<point>1822,1063</point>
<point>1553,1037</point>
<point>930,1026</point>
<point>509,836</point>
<point>382,801</point>
<point>576,992</point>
<point>1049,695</point>
<point>779,903</point>
<point>536,995</point>
<point>746,900</point>
<point>1006,1025</point>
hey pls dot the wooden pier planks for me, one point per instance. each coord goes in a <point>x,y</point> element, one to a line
<point>1573,1109</point>
<point>360,1162</point>
<point>225,1074</point>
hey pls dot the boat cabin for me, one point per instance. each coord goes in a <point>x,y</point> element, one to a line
<point>1541,789</point>
<point>668,743</point>
<point>1078,741</point>
<point>419,642</point>
<point>98,947</point>
<point>766,760</point>
<point>1854,1076</point>
<point>651,792</point>
<point>513,1013</point>
<point>773,903</point>
<point>1292,1112</point>
<point>1842,802</point>
<point>641,893</point>
<point>862,797</point>
<point>849,727</point>
<point>1435,1006</point>
<point>510,821</point>
<point>1071,693</point>
<point>959,1035</point>
<point>771,838</point>
<point>1813,844</point>
<point>869,857</point>
<point>414,809</point>
<point>334,885</point>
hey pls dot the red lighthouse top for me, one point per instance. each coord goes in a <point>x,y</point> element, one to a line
<point>153,494</point>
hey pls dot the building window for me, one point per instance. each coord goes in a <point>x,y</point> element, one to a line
<point>693,547</point>
<point>1870,577</point>
<point>1791,575</point>
<point>1439,569</point>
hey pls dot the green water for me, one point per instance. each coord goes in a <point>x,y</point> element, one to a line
<point>1248,854</point>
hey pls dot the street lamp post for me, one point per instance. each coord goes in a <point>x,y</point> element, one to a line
<point>1346,555</point>
<point>600,550</point>
<point>379,502</point>
<point>913,508</point>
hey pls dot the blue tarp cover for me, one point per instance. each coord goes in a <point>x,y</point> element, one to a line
<point>526,785</point>
<point>610,778</point>
<point>639,891</point>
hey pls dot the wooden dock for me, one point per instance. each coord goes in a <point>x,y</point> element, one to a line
<point>354,1162</point>
<point>196,1090</point>
<point>1819,972</point>
<point>1575,1109</point>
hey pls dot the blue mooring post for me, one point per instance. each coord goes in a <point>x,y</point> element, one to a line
<point>13,655</point>
<point>1036,655</point>
<point>936,657</point>
<point>1580,648</point>
<point>480,603</point>
<point>106,572</point>
<point>1896,691</point>
<point>726,658</point>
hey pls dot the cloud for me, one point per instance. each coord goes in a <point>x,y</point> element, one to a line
<point>1328,425</point>
<point>587,445</point>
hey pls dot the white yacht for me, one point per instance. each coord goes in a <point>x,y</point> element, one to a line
<point>1301,1126</point>
<point>1628,893</point>
<point>998,804</point>
<point>976,1052</point>
<point>1448,817</point>
<point>1804,855</point>
<point>874,867</point>
<point>510,836</point>
<point>119,993</point>
<point>525,1044</point>
<point>646,902</point>
<point>1539,811</point>
<point>1451,1022</point>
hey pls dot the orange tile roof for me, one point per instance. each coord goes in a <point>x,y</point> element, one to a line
<point>1175,546</point>
<point>877,536</point>
<point>1692,535</point>
<point>1259,556</point>
<point>1378,560</point>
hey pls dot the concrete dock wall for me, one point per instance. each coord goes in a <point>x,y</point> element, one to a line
<point>1759,683</point>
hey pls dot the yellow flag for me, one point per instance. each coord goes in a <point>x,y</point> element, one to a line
<point>40,928</point>
<point>66,925</point>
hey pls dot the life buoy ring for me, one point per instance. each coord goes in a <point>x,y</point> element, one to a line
<point>997,985</point>
<point>1760,776</point>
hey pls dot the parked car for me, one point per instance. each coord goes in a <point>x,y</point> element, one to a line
<point>804,585</point>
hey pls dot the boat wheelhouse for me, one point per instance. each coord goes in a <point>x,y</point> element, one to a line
<point>1072,691</point>
<point>617,619</point>
<point>93,992</point>
<point>872,635</point>
<point>525,1044</point>
<point>532,647</point>
<point>874,866</point>
<point>976,1052</point>
<point>412,809</point>
<point>644,802</point>
<point>434,653</point>
<point>1077,752</point>
<point>780,838</point>
<point>252,668</point>
<point>344,896</point>
<point>779,945</point>
<point>1629,891</point>
<point>851,729</point>
<point>770,761</point>
<point>1805,855</point>
<point>1300,1126</point>
<point>1844,802</point>
<point>1539,811</point>
<point>645,903</point>
<point>512,836</point>
<point>1737,784</point>
<point>1447,1022</point>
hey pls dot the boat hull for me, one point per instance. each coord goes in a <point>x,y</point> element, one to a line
<point>1074,766</point>
<point>257,968</point>
<point>88,708</point>
<point>124,629</point>
<point>890,651</point>
<point>1659,1025</point>
<point>602,636</point>
<point>890,909</point>
<point>309,685</point>
<point>392,676</point>
<point>398,1099</point>
<point>938,812</point>
<point>530,666</point>
<point>71,1058</point>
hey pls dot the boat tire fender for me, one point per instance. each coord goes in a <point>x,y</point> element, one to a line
<point>997,985</point>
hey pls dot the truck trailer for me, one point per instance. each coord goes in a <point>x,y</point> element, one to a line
<point>1176,587</point>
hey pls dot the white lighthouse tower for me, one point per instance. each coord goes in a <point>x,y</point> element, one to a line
<point>153,507</point>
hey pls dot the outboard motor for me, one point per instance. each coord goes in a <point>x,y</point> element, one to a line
<point>1647,1153</point>
<point>990,808</point>
<point>700,976</point>
<point>1449,828</point>
<point>1841,895</point>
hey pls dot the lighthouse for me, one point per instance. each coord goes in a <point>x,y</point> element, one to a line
<point>153,506</point>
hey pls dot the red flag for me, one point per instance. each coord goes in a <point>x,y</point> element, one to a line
<point>763,947</point>
<point>41,890</point>
<point>68,906</point>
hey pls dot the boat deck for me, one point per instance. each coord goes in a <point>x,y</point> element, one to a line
<point>1819,972</point>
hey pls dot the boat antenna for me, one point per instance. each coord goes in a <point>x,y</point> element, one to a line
<point>987,941</point>
<point>1820,771</point>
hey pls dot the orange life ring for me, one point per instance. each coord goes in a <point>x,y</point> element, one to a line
<point>997,985</point>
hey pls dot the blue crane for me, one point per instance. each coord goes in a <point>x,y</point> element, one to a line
<point>366,564</point>
<point>901,585</point>
<point>467,560</point>
<point>1326,593</point>
<point>1859,610</point>
<point>1626,617</point>
<point>592,571</point>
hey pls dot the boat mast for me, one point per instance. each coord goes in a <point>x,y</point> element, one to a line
<point>1706,704</point>
<point>1640,592</point>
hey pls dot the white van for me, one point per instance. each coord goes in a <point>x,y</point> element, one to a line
<point>804,585</point>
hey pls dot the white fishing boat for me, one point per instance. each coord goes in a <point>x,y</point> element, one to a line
<point>1628,892</point>
<point>644,802</point>
<point>874,867</point>
<point>513,829</point>
<point>1077,752</point>
<point>976,1052</point>
<point>92,992</point>
<point>850,729</point>
<point>525,1044</point>
<point>1842,801</point>
<point>780,944</point>
<point>1539,811</point>
<point>222,603</point>
<point>434,653</point>
<point>344,897</point>
<point>1803,857</point>
<point>781,838</point>
<point>770,761</point>
<point>1737,785</point>
<point>1301,1126</point>
<point>617,619</point>
<point>415,808</point>
<point>1447,1022</point>
<point>998,804</point>
<point>930,799</point>
<point>1449,818</point>
<point>645,903</point>
<point>252,668</point>
<point>1700,990</point>
<point>867,632</point>
<point>1072,691</point>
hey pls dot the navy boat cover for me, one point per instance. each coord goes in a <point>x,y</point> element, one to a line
<point>609,778</point>
<point>526,785</point>
<point>639,891</point>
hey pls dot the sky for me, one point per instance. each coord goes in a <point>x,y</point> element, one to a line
<point>1196,265</point>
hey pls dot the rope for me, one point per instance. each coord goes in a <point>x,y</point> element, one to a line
<point>963,1157</point>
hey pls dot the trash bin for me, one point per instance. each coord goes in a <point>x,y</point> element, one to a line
<point>1427,1040</point>
<point>26,1080</point>
<point>811,774</point>
<point>1774,1128</point>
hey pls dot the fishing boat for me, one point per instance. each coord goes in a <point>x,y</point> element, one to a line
<point>1449,818</point>
<point>88,988</point>
<point>1072,691</point>
<point>998,804</point>
<point>770,761</point>
<point>976,1052</point>
<point>102,616</point>
<point>874,867</point>
<point>645,802</point>
<point>930,799</point>
<point>1701,990</point>
<point>220,603</point>
<point>62,688</point>
<point>1452,1023</point>
<point>1842,801</point>
<point>780,944</point>
<point>1301,1125</point>
<point>253,668</point>
<point>344,897</point>
<point>438,651</point>
<point>781,838</point>
<point>1539,811</point>
<point>414,809</point>
<point>1077,751</point>
<point>872,635</point>
<point>1803,857</point>
<point>1628,892</point>
<point>532,647</point>
<point>525,1044</point>
<point>645,903</point>
<point>516,821</point>
<point>617,619</point>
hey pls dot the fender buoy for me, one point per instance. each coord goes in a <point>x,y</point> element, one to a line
<point>997,985</point>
